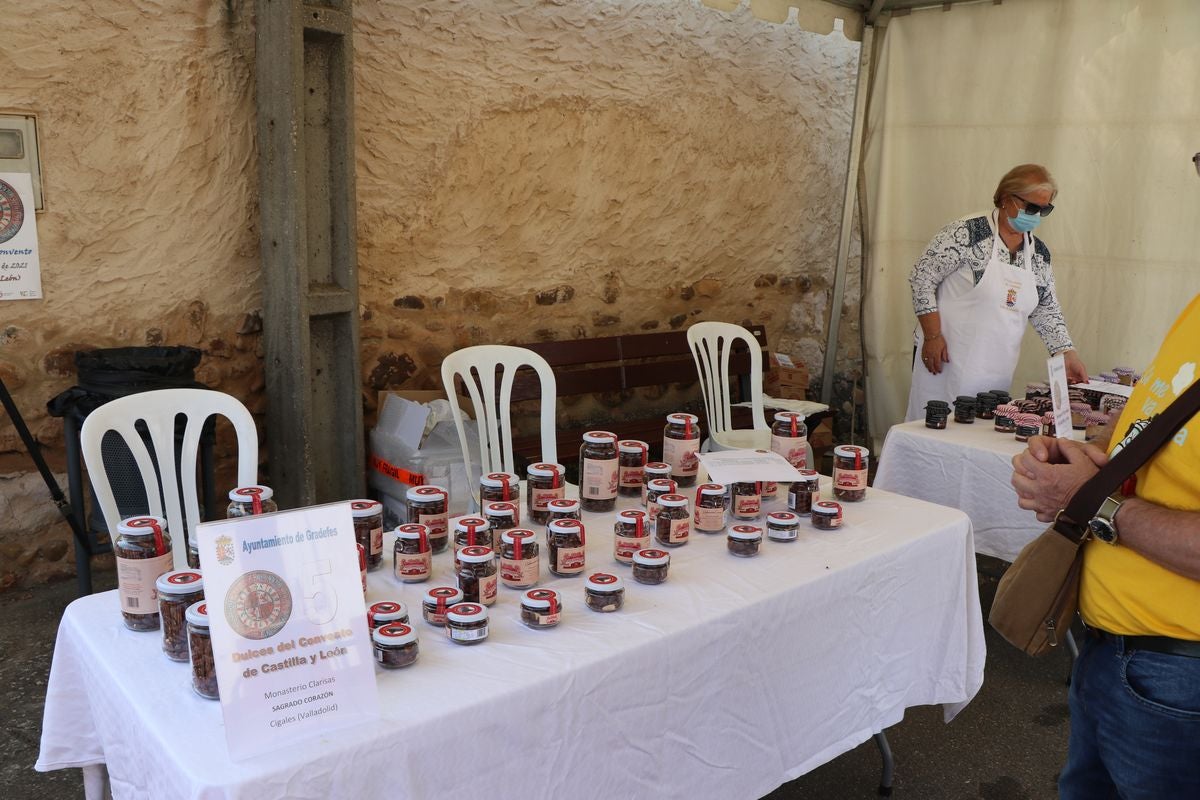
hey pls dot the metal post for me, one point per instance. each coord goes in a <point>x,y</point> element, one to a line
<point>305,96</point>
<point>849,197</point>
<point>889,766</point>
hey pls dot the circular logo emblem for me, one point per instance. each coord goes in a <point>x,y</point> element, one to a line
<point>258,604</point>
<point>12,212</point>
<point>183,578</point>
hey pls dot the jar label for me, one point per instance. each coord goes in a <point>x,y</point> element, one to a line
<point>631,476</point>
<point>542,497</point>
<point>709,519</point>
<point>570,560</point>
<point>377,541</point>
<point>746,505</point>
<point>769,489</point>
<point>438,523</point>
<point>681,455</point>
<point>849,478</point>
<point>469,635</point>
<point>519,573</point>
<point>363,574</point>
<point>549,619</point>
<point>802,502</point>
<point>793,448</point>
<point>782,534</point>
<point>625,546</point>
<point>135,580</point>
<point>434,618</point>
<point>680,528</point>
<point>413,566</point>
<point>599,481</point>
<point>488,590</point>
<point>652,509</point>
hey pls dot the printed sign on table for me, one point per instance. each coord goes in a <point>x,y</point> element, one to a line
<point>748,466</point>
<point>20,267</point>
<point>1059,396</point>
<point>289,627</point>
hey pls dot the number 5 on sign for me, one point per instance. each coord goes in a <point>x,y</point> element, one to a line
<point>320,598</point>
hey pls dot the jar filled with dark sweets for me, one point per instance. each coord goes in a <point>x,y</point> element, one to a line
<point>178,590</point>
<point>386,612</point>
<point>654,490</point>
<point>519,559</point>
<point>368,529</point>
<point>804,492</point>
<point>1002,421</point>
<point>712,508</point>
<point>502,517</point>
<point>467,623</point>
<point>604,592</point>
<point>850,463</point>
<point>437,602</point>
<point>746,502</point>
<point>543,482</point>
<point>477,574</point>
<point>395,645</point>
<point>412,556</point>
<point>1027,425</point>
<point>964,409</point>
<point>501,487</point>
<point>744,540</point>
<point>598,471</point>
<point>673,524</point>
<point>655,470</point>
<point>430,506</point>
<point>565,508</point>
<point>631,467</point>
<point>651,566</point>
<point>827,515</point>
<point>541,608</point>
<point>471,532</point>
<point>631,533</point>
<point>143,553</point>
<point>204,667</point>
<point>246,501</point>
<point>936,414</point>
<point>789,438</point>
<point>783,526</point>
<point>566,542</point>
<point>681,444</point>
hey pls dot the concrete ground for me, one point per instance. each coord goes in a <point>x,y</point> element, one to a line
<point>1008,744</point>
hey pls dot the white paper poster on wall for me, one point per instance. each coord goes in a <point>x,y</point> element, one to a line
<point>20,268</point>
<point>289,631</point>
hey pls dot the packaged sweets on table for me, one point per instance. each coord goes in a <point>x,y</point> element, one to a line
<point>604,592</point>
<point>712,508</point>
<point>827,515</point>
<point>368,529</point>
<point>501,517</point>
<point>412,554</point>
<point>651,566</point>
<point>541,608</point>
<point>746,503</point>
<point>143,553</point>
<point>783,526</point>
<point>964,409</point>
<point>178,590</point>
<point>386,612</point>
<point>804,492</point>
<point>1002,422</point>
<point>437,602</point>
<point>395,645</point>
<point>544,482</point>
<point>850,472</point>
<point>631,467</point>
<point>631,533</point>
<point>655,470</point>
<point>566,508</point>
<point>477,576</point>
<point>674,521</point>
<point>565,540</point>
<point>936,414</point>
<point>246,501</point>
<point>467,623</point>
<point>471,532</point>
<point>1027,425</point>
<point>598,471</point>
<point>430,506</point>
<point>789,438</point>
<point>681,443</point>
<point>501,487</point>
<point>519,559</point>
<point>744,540</point>
<point>656,489</point>
<point>204,668</point>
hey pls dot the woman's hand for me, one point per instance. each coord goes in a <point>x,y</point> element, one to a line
<point>934,353</point>
<point>1076,371</point>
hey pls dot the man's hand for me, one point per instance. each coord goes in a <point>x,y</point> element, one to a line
<point>1049,472</point>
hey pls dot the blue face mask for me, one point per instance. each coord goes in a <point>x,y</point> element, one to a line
<point>1024,221</point>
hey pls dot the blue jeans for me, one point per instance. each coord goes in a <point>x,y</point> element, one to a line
<point>1135,725</point>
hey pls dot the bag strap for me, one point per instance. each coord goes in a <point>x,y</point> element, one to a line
<point>1089,497</point>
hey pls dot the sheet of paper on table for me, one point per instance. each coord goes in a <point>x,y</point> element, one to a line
<point>1104,387</point>
<point>805,407</point>
<point>748,466</point>
<point>1057,365</point>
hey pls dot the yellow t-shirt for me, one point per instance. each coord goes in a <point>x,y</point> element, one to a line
<point>1121,591</point>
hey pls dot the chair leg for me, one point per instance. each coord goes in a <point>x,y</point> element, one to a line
<point>885,778</point>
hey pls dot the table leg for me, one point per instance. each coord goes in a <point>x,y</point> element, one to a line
<point>95,782</point>
<point>885,778</point>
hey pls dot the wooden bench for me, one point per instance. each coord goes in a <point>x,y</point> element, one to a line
<point>620,364</point>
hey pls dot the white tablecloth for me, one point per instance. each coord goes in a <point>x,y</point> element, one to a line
<point>967,467</point>
<point>734,676</point>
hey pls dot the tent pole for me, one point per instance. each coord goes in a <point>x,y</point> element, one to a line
<point>849,198</point>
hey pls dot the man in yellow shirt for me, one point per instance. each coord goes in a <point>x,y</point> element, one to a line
<point>1135,688</point>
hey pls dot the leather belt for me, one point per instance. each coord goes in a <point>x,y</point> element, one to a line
<point>1153,644</point>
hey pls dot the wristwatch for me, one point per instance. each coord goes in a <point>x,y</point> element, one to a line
<point>1104,525</point>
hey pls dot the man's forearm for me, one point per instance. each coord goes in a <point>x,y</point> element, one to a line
<point>1167,537</point>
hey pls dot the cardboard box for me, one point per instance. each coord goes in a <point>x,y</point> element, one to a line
<point>822,435</point>
<point>786,377</point>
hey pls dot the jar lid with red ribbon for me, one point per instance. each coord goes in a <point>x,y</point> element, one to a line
<point>394,635</point>
<point>789,416</point>
<point>466,524</point>
<point>785,518</point>
<point>365,508</point>
<point>600,437</point>
<point>542,599</point>
<point>712,489</point>
<point>522,535</point>
<point>604,582</point>
<point>443,595</point>
<point>745,533</point>
<point>246,494</point>
<point>546,470</point>
<point>652,558</point>
<point>827,508</point>
<point>563,505</point>
<point>386,611</point>
<point>476,554</point>
<point>426,493</point>
<point>673,501</point>
<point>467,613</point>
<point>495,480</point>
<point>500,509</point>
<point>179,581</point>
<point>413,530</point>
<point>197,614</point>
<point>633,446</point>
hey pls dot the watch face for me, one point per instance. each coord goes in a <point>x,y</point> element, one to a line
<point>1103,530</point>
<point>258,604</point>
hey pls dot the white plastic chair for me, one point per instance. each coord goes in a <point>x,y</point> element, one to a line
<point>477,367</point>
<point>159,410</point>
<point>712,345</point>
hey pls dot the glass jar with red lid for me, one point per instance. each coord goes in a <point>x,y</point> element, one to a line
<point>543,482</point>
<point>631,467</point>
<point>598,469</point>
<point>681,446</point>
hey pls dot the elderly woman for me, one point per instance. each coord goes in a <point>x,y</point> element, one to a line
<point>980,278</point>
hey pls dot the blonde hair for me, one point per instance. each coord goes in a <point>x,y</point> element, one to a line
<point>1023,179</point>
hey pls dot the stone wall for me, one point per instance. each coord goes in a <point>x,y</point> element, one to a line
<point>526,171</point>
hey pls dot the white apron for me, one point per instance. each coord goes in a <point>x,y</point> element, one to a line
<point>983,324</point>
